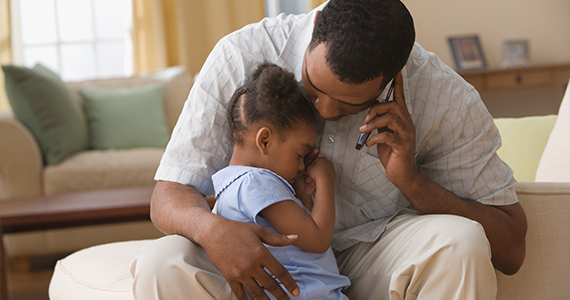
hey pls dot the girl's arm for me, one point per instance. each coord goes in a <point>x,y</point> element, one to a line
<point>315,230</point>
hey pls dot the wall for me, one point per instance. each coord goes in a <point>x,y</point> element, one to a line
<point>545,24</point>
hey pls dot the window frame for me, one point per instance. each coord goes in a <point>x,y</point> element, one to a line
<point>18,45</point>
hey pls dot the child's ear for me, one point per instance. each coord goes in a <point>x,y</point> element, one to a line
<point>263,139</point>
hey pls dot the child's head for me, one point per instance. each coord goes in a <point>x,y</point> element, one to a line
<point>271,98</point>
<point>270,118</point>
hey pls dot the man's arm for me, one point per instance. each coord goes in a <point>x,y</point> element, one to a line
<point>180,209</point>
<point>505,226</point>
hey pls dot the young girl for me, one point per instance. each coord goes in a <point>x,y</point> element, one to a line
<point>273,128</point>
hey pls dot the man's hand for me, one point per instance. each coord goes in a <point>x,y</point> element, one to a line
<point>396,135</point>
<point>236,249</point>
<point>505,226</point>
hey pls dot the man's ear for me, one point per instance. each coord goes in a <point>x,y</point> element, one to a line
<point>316,16</point>
<point>263,139</point>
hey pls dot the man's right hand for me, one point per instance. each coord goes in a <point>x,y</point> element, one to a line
<point>236,249</point>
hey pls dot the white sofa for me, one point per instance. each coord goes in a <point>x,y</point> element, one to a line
<point>23,173</point>
<point>102,272</point>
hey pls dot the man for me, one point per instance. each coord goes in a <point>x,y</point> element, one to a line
<point>425,210</point>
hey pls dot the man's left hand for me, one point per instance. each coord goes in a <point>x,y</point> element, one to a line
<point>396,137</point>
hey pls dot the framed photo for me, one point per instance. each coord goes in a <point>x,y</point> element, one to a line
<point>515,54</point>
<point>467,52</point>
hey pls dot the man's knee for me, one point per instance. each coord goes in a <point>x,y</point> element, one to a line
<point>173,267</point>
<point>461,236</point>
<point>165,254</point>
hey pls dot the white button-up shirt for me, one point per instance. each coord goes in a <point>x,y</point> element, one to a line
<point>456,140</point>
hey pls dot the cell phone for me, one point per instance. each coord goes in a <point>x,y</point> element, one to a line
<point>364,136</point>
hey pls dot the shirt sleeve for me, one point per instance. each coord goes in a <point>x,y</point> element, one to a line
<point>464,160</point>
<point>199,145</point>
<point>259,190</point>
<point>456,137</point>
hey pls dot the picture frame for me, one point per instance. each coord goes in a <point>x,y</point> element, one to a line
<point>515,54</point>
<point>467,52</point>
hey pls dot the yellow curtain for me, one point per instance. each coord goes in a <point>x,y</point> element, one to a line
<point>5,48</point>
<point>315,3</point>
<point>183,32</point>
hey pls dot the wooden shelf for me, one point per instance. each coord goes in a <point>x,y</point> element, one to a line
<point>519,78</point>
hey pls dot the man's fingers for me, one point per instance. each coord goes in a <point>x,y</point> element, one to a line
<point>399,97</point>
<point>256,291</point>
<point>238,290</point>
<point>273,265</point>
<point>391,123</point>
<point>274,239</point>
<point>276,268</point>
<point>284,277</point>
<point>271,285</point>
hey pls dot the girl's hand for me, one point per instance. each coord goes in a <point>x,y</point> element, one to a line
<point>304,185</point>
<point>321,170</point>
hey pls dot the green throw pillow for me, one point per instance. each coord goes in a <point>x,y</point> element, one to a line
<point>44,104</point>
<point>126,118</point>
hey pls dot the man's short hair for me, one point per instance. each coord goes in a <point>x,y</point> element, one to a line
<point>365,38</point>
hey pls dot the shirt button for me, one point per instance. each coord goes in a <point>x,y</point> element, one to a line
<point>330,140</point>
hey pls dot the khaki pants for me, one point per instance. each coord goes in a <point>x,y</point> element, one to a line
<point>418,257</point>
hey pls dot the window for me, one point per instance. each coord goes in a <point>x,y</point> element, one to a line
<point>78,39</point>
<point>275,7</point>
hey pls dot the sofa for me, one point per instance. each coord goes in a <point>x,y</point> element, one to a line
<point>537,148</point>
<point>30,166</point>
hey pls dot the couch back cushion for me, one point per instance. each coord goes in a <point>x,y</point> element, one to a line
<point>176,80</point>
<point>126,118</point>
<point>45,105</point>
<point>98,170</point>
<point>523,143</point>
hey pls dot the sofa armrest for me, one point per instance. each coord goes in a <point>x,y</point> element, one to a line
<point>21,160</point>
<point>545,271</point>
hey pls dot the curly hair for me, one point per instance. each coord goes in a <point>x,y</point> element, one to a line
<point>365,38</point>
<point>273,98</point>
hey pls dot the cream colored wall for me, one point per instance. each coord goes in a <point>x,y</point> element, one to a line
<point>545,24</point>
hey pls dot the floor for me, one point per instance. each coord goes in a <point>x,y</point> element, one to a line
<point>29,278</point>
<point>29,285</point>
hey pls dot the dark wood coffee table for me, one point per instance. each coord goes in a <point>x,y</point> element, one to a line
<point>70,210</point>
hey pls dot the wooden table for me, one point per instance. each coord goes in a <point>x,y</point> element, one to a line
<point>518,78</point>
<point>70,210</point>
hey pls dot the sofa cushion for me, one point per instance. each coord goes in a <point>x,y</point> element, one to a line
<point>523,143</point>
<point>126,118</point>
<point>93,170</point>
<point>554,164</point>
<point>42,102</point>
